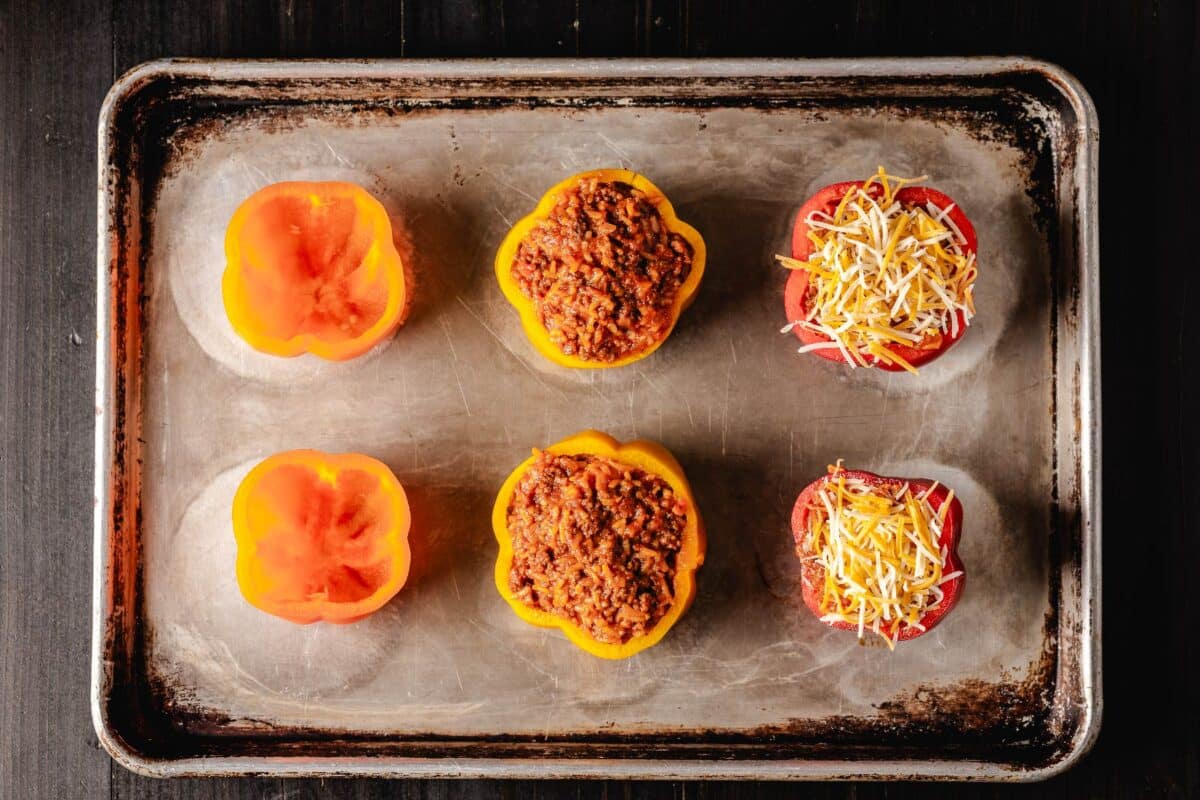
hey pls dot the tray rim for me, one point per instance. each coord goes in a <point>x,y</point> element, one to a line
<point>1085,171</point>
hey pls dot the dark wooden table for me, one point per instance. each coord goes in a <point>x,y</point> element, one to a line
<point>1141,62</point>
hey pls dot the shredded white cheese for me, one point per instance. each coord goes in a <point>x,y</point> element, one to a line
<point>880,549</point>
<point>883,274</point>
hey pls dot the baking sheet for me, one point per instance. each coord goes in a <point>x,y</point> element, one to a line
<point>459,397</point>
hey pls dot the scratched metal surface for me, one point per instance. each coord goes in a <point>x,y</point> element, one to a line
<point>459,397</point>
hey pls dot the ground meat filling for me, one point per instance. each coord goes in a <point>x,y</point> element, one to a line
<point>603,271</point>
<point>595,542</point>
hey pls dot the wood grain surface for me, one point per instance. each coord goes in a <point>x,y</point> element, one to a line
<point>1140,61</point>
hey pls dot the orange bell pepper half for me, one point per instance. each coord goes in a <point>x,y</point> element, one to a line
<point>321,537</point>
<point>312,268</point>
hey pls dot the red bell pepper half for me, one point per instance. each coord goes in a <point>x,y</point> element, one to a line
<point>812,576</point>
<point>796,295</point>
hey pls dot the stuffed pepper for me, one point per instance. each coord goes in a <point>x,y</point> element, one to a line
<point>878,554</point>
<point>883,273</point>
<point>601,270</point>
<point>601,540</point>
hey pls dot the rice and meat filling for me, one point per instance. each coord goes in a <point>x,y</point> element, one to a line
<point>603,271</point>
<point>595,542</point>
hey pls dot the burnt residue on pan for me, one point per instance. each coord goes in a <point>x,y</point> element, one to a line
<point>1013,723</point>
<point>1021,723</point>
<point>954,722</point>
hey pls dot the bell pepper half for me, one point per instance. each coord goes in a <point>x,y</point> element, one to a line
<point>311,267</point>
<point>320,536</point>
<point>795,293</point>
<point>533,327</point>
<point>812,577</point>
<point>650,457</point>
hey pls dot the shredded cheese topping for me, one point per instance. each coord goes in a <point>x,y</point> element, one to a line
<point>882,273</point>
<point>880,547</point>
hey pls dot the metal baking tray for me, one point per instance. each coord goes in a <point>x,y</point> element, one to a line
<point>446,681</point>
